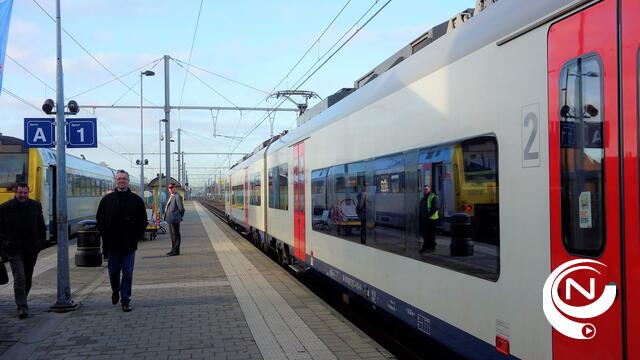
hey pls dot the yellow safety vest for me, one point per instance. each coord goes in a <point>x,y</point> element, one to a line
<point>436,214</point>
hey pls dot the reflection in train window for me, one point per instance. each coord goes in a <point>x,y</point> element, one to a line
<point>254,186</point>
<point>582,156</point>
<point>320,214</point>
<point>237,197</point>
<point>375,203</point>
<point>279,187</point>
<point>389,203</point>
<point>13,169</point>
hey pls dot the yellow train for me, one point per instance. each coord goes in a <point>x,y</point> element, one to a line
<point>86,181</point>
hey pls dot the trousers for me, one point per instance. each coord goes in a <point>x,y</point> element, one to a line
<point>121,263</point>
<point>22,265</point>
<point>176,238</point>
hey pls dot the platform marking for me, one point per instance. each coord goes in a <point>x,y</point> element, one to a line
<point>277,329</point>
<point>43,264</point>
<point>161,286</point>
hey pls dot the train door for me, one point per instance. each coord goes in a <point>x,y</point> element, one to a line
<point>585,209</point>
<point>630,51</point>
<point>298,203</point>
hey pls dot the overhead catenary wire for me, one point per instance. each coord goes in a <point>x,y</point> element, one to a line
<point>221,76</point>
<point>29,72</point>
<point>154,62</point>
<point>255,126</point>
<point>87,51</point>
<point>10,93</point>
<point>66,98</point>
<point>209,86</point>
<point>298,62</point>
<point>193,41</point>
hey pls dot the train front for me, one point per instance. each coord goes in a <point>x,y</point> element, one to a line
<point>14,165</point>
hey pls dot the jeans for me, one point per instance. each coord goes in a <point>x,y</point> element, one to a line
<point>121,262</point>
<point>22,265</point>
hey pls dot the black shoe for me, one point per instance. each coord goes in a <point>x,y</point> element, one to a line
<point>428,250</point>
<point>115,297</point>
<point>170,253</point>
<point>174,254</point>
<point>126,307</point>
<point>22,313</point>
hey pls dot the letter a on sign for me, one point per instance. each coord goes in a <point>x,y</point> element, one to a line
<point>39,136</point>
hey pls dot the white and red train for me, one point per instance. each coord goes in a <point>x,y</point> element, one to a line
<point>525,121</point>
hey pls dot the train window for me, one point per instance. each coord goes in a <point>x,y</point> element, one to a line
<point>389,203</point>
<point>380,204</point>
<point>69,185</point>
<point>13,169</point>
<point>479,160</point>
<point>77,185</point>
<point>582,156</point>
<point>279,187</point>
<point>255,188</point>
<point>283,187</point>
<point>237,201</point>
<point>320,215</point>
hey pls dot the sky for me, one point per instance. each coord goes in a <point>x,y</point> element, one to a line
<point>240,52</point>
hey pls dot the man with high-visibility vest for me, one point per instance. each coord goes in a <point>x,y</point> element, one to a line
<point>428,216</point>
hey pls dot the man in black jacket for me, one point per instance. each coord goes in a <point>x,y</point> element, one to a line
<point>22,236</point>
<point>122,221</point>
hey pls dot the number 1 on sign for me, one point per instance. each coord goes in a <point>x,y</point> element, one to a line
<point>81,131</point>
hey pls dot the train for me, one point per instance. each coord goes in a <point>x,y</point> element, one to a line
<point>523,116</point>
<point>86,182</point>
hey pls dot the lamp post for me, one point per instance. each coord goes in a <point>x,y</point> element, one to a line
<point>143,73</point>
<point>161,190</point>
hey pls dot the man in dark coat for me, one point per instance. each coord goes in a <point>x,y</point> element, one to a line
<point>428,217</point>
<point>122,221</point>
<point>173,215</point>
<point>22,236</point>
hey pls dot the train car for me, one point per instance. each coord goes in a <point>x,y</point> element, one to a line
<point>86,181</point>
<point>525,117</point>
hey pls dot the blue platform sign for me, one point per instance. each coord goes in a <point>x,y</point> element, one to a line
<point>39,133</point>
<point>82,133</point>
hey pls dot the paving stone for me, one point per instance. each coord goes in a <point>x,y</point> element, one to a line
<point>221,299</point>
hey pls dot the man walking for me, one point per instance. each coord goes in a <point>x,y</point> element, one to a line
<point>122,221</point>
<point>173,214</point>
<point>22,236</point>
<point>428,217</point>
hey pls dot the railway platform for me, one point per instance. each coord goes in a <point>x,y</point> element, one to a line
<point>220,299</point>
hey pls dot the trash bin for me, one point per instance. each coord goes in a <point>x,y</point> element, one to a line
<point>461,235</point>
<point>88,253</point>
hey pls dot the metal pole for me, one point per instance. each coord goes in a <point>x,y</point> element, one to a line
<point>167,125</point>
<point>160,171</point>
<point>141,144</point>
<point>179,169</point>
<point>63,300</point>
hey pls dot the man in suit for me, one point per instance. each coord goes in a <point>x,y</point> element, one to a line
<point>173,214</point>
